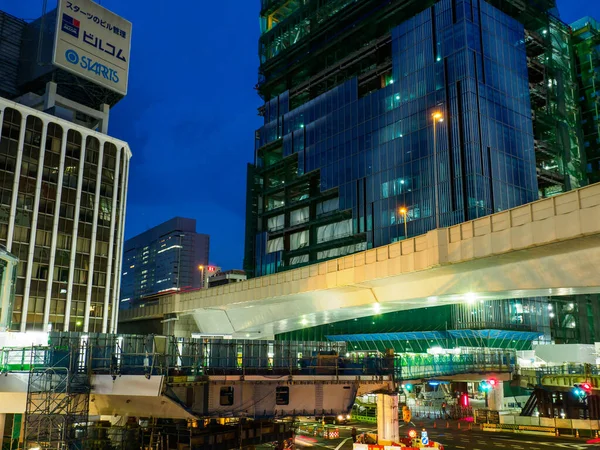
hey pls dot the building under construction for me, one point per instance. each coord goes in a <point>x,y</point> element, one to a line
<point>386,119</point>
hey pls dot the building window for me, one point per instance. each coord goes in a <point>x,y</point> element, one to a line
<point>226,397</point>
<point>282,395</point>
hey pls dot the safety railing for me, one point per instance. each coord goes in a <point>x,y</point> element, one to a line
<point>427,366</point>
<point>170,356</point>
<point>535,375</point>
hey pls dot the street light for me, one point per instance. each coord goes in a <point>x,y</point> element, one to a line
<point>437,117</point>
<point>404,211</point>
<point>201,268</point>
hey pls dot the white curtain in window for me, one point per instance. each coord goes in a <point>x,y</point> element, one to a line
<point>298,240</point>
<point>328,206</point>
<point>334,231</point>
<point>299,216</point>
<point>275,245</point>
<point>275,223</point>
<point>341,251</point>
<point>298,260</point>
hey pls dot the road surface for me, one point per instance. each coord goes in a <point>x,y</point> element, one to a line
<point>454,439</point>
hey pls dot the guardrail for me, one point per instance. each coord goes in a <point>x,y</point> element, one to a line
<point>167,355</point>
<point>427,366</point>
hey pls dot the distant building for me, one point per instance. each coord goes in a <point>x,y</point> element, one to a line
<point>226,277</point>
<point>163,259</point>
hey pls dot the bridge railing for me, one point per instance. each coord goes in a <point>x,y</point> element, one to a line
<point>170,356</point>
<point>535,375</point>
<point>427,366</point>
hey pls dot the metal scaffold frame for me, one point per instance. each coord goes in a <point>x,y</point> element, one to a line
<point>58,397</point>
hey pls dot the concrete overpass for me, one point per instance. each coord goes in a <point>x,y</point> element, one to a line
<point>548,247</point>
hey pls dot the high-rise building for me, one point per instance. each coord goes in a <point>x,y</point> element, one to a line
<point>388,119</point>
<point>63,179</point>
<point>169,257</point>
<point>586,40</point>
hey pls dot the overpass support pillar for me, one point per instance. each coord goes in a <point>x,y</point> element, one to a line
<point>496,397</point>
<point>387,418</point>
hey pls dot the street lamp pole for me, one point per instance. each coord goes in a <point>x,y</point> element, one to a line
<point>437,117</point>
<point>404,211</point>
<point>201,267</point>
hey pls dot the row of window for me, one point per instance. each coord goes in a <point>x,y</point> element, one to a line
<point>282,395</point>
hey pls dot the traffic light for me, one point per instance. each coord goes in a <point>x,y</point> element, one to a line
<point>464,400</point>
<point>408,387</point>
<point>488,385</point>
<point>583,389</point>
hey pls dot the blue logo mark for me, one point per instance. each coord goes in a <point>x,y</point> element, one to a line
<point>90,65</point>
<point>72,56</point>
<point>70,25</point>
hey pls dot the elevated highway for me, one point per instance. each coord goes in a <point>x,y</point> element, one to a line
<point>548,247</point>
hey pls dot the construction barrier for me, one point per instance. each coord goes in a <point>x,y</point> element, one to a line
<point>519,428</point>
<point>387,447</point>
<point>317,430</point>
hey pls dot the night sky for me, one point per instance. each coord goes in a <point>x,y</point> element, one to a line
<point>190,113</point>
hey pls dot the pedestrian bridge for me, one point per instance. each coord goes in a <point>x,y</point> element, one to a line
<point>548,247</point>
<point>133,375</point>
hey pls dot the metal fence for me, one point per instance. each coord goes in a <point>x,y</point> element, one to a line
<point>411,366</point>
<point>168,355</point>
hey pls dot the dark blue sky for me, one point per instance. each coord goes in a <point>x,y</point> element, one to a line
<point>190,113</point>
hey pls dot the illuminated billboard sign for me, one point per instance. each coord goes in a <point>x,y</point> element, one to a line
<point>93,42</point>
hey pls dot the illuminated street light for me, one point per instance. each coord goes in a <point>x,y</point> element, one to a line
<point>470,297</point>
<point>437,117</point>
<point>404,212</point>
<point>201,269</point>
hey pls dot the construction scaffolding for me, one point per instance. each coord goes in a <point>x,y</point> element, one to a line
<point>58,397</point>
<point>57,414</point>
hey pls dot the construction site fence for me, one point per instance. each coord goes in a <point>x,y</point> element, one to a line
<point>452,412</point>
<point>171,356</point>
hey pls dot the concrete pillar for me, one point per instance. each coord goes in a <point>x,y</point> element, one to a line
<point>50,95</point>
<point>387,419</point>
<point>496,397</point>
<point>106,114</point>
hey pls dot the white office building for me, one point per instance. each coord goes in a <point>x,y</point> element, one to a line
<point>63,179</point>
<point>62,209</point>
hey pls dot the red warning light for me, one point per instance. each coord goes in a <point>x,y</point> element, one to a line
<point>464,400</point>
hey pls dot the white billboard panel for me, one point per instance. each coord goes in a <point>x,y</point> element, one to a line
<point>93,42</point>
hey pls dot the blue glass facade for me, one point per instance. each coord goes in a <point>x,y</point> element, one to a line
<point>463,59</point>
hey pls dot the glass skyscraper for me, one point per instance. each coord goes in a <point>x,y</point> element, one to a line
<point>427,123</point>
